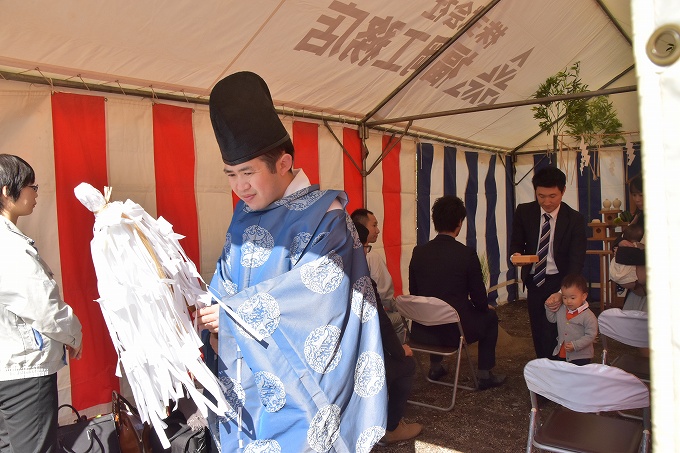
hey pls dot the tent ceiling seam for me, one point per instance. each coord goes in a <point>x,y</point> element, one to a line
<point>434,57</point>
<point>247,44</point>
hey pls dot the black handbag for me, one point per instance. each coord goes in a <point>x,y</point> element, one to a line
<point>183,439</point>
<point>631,256</point>
<point>94,435</point>
<point>186,440</point>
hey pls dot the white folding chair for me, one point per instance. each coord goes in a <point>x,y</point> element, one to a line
<point>627,327</point>
<point>430,311</point>
<point>582,392</point>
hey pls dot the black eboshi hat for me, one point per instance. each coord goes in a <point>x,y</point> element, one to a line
<point>243,117</point>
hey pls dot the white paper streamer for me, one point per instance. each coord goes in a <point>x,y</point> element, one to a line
<point>146,283</point>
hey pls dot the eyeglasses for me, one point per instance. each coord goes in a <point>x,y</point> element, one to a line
<point>33,186</point>
<point>368,248</point>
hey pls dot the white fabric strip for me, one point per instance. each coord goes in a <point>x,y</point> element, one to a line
<point>146,285</point>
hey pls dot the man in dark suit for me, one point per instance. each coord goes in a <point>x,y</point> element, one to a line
<point>564,232</point>
<point>400,367</point>
<point>446,269</point>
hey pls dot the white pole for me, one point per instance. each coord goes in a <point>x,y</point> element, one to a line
<point>659,96</point>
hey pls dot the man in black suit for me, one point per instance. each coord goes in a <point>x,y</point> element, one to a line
<point>400,367</point>
<point>446,269</point>
<point>565,234</point>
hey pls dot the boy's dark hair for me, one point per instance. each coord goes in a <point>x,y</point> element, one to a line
<point>15,173</point>
<point>633,233</point>
<point>575,280</point>
<point>270,157</point>
<point>447,213</point>
<point>361,215</point>
<point>550,177</point>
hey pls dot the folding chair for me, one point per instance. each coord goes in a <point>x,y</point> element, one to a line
<point>581,392</point>
<point>627,327</point>
<point>430,311</point>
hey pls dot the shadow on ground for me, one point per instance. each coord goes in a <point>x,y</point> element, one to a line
<point>495,420</point>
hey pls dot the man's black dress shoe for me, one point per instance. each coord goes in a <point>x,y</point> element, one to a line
<point>437,373</point>
<point>494,380</point>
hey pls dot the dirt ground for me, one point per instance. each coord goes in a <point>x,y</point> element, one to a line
<point>494,420</point>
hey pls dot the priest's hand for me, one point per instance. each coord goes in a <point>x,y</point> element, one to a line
<point>209,318</point>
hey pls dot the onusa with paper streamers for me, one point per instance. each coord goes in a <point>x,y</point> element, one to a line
<point>147,286</point>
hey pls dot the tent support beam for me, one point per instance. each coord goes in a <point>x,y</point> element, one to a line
<point>185,99</point>
<point>344,150</point>
<point>431,59</point>
<point>505,105</point>
<point>104,88</point>
<point>390,145</point>
<point>364,149</point>
<point>613,20</point>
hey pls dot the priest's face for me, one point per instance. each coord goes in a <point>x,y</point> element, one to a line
<point>255,184</point>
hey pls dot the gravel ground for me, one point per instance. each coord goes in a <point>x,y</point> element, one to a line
<point>494,420</point>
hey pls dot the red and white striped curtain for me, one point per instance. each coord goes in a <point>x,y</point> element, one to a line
<point>165,157</point>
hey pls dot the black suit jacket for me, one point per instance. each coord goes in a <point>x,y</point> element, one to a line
<point>446,269</point>
<point>569,243</point>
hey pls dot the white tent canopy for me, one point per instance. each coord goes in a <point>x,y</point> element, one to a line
<point>370,61</point>
<point>352,63</point>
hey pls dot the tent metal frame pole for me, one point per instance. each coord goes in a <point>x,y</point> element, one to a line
<point>104,88</point>
<point>390,145</point>
<point>344,150</point>
<point>364,127</point>
<point>613,20</point>
<point>431,59</point>
<point>156,96</point>
<point>505,105</point>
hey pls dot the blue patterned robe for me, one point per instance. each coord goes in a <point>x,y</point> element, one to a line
<point>296,273</point>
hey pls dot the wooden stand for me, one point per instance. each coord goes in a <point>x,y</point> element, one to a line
<point>609,215</point>
<point>605,232</point>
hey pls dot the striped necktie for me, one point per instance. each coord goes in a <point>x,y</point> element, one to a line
<point>543,245</point>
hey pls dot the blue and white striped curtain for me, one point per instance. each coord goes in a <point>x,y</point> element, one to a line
<point>485,183</point>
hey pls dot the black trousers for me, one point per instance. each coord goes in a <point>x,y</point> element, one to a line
<point>28,415</point>
<point>477,326</point>
<point>399,375</point>
<point>543,332</point>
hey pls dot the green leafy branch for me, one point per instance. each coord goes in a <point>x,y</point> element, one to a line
<point>597,123</point>
<point>553,115</point>
<point>593,119</point>
<point>484,263</point>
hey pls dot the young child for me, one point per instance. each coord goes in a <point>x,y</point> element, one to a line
<point>576,323</point>
<point>624,274</point>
